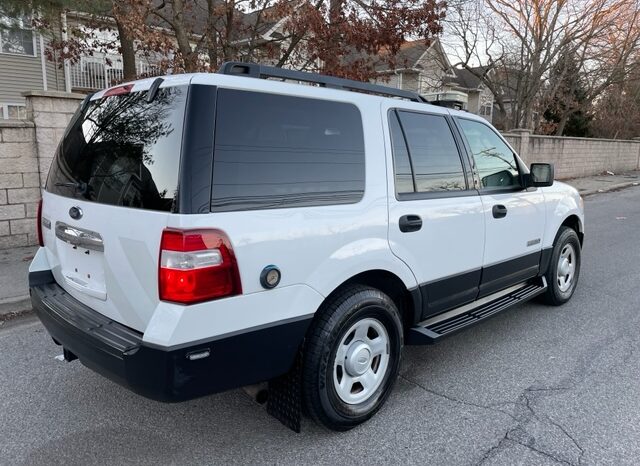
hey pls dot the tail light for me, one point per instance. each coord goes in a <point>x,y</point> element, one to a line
<point>39,226</point>
<point>196,266</point>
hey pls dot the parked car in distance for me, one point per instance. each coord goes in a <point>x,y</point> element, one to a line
<point>202,232</point>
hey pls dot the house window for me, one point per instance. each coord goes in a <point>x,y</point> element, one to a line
<point>13,111</point>
<point>486,110</point>
<point>16,36</point>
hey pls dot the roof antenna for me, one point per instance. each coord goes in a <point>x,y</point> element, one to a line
<point>153,90</point>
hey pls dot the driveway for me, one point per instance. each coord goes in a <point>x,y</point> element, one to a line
<point>535,385</point>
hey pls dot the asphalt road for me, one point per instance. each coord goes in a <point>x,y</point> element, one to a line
<point>535,385</point>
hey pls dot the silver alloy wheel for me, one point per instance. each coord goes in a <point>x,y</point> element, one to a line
<point>361,361</point>
<point>566,267</point>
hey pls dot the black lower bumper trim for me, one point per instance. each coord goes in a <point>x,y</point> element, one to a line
<point>118,352</point>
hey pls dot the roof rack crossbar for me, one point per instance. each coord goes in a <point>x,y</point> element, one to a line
<point>255,70</point>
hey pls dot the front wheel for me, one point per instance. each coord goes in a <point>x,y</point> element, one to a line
<point>351,357</point>
<point>564,268</point>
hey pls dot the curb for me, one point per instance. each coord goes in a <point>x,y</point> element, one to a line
<point>14,299</point>
<point>4,318</point>
<point>15,306</point>
<point>615,187</point>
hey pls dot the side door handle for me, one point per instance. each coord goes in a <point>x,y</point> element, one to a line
<point>499,211</point>
<point>409,223</point>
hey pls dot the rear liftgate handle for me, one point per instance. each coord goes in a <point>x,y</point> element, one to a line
<point>499,211</point>
<point>409,223</point>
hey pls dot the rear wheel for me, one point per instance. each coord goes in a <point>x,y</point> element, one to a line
<point>564,268</point>
<point>351,357</point>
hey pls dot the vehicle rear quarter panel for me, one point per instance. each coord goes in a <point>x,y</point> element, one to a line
<point>315,248</point>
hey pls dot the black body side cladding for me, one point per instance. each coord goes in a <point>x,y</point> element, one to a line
<point>165,374</point>
<point>449,293</point>
<point>545,259</point>
<point>416,298</point>
<point>504,274</point>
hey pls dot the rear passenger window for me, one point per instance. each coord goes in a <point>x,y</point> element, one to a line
<point>276,151</point>
<point>401,162</point>
<point>434,156</point>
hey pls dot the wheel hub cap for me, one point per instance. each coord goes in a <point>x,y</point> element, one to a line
<point>566,267</point>
<point>358,358</point>
<point>361,361</point>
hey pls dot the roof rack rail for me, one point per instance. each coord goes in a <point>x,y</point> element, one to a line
<point>255,70</point>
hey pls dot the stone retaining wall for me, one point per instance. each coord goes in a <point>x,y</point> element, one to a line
<point>577,157</point>
<point>26,151</point>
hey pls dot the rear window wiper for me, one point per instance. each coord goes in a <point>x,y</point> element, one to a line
<point>82,187</point>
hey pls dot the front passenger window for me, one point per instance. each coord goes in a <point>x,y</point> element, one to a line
<point>496,163</point>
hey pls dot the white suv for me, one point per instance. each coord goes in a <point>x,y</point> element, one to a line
<point>202,232</point>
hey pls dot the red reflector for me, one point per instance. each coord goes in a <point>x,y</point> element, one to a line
<point>197,266</point>
<point>118,90</point>
<point>39,226</point>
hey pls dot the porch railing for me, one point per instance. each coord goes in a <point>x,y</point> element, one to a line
<point>94,75</point>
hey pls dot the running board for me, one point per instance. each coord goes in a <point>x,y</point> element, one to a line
<point>432,330</point>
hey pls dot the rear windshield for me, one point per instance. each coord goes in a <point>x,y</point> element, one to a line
<point>123,151</point>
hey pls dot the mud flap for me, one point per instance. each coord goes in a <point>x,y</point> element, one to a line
<point>285,396</point>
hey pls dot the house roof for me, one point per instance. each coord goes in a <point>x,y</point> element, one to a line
<point>407,57</point>
<point>467,79</point>
<point>196,18</point>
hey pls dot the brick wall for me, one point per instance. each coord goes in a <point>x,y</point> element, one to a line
<point>577,157</point>
<point>26,151</point>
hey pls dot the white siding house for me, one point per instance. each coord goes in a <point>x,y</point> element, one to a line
<point>23,66</point>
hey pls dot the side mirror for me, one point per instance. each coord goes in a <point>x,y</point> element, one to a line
<point>541,174</point>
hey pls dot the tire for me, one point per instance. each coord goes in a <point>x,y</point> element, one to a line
<point>346,347</point>
<point>562,275</point>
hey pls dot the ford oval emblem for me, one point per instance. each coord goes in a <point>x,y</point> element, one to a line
<point>75,213</point>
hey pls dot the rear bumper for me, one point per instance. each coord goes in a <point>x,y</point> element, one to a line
<point>164,374</point>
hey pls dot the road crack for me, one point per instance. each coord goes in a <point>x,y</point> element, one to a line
<point>455,400</point>
<point>524,415</point>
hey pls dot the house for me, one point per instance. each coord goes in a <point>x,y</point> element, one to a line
<point>419,67</point>
<point>23,66</point>
<point>426,69</point>
<point>480,99</point>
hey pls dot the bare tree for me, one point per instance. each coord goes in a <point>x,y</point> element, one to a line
<point>608,56</point>
<point>617,111</point>
<point>518,42</point>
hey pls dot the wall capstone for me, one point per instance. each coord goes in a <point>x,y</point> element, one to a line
<point>50,112</point>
